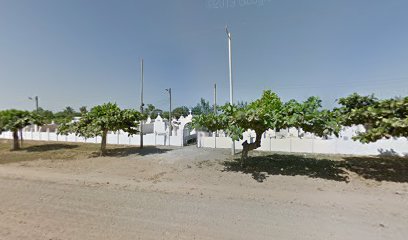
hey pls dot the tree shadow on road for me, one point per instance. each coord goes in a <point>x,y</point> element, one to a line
<point>289,165</point>
<point>49,147</point>
<point>394,169</point>
<point>126,151</point>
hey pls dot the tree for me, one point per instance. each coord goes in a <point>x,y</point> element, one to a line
<point>152,111</point>
<point>309,117</point>
<point>165,114</point>
<point>381,118</point>
<point>269,112</point>
<point>155,113</point>
<point>66,115</point>
<point>69,111</point>
<point>101,119</point>
<point>15,120</point>
<point>149,109</point>
<point>83,110</point>
<point>203,107</point>
<point>46,115</point>
<point>180,111</point>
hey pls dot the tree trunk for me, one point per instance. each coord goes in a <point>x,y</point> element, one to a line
<point>103,143</point>
<point>21,137</point>
<point>16,143</point>
<point>246,147</point>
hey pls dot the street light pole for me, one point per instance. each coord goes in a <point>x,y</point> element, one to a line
<point>215,113</point>
<point>230,66</point>
<point>230,79</point>
<point>215,98</point>
<point>141,103</point>
<point>36,110</point>
<point>36,102</point>
<point>169,90</point>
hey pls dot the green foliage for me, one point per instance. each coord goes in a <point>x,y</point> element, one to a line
<point>269,112</point>
<point>309,117</point>
<point>14,120</point>
<point>46,115</point>
<point>259,116</point>
<point>149,109</point>
<point>381,118</point>
<point>203,107</point>
<point>66,115</point>
<point>180,111</point>
<point>165,115</point>
<point>103,118</point>
<point>83,110</point>
<point>152,111</point>
<point>209,122</point>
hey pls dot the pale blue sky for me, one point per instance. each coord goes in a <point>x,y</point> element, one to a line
<point>71,52</point>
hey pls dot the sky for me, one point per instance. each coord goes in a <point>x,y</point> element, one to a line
<point>87,52</point>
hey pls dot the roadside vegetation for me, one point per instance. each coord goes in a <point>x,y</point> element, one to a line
<point>381,118</point>
<point>37,150</point>
<point>101,119</point>
<point>259,166</point>
<point>385,118</point>
<point>14,121</point>
<point>43,150</point>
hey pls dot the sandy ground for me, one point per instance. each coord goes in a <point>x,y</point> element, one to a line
<point>186,194</point>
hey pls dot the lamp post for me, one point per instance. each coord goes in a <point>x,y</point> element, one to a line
<point>141,102</point>
<point>169,91</point>
<point>230,79</point>
<point>36,110</point>
<point>36,102</point>
<point>215,113</point>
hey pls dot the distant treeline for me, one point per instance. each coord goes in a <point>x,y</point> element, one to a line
<point>203,107</point>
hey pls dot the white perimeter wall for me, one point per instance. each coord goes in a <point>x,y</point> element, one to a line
<point>291,144</point>
<point>112,138</point>
<point>309,145</point>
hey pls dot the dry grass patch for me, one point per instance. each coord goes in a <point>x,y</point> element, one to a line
<point>37,150</point>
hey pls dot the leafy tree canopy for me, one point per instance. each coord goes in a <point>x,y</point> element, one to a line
<point>101,119</point>
<point>83,110</point>
<point>66,115</point>
<point>269,112</point>
<point>203,107</point>
<point>152,111</point>
<point>14,120</point>
<point>381,118</point>
<point>46,115</point>
<point>149,109</point>
<point>180,111</point>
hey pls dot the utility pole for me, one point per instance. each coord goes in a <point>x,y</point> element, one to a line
<point>141,103</point>
<point>230,79</point>
<point>36,110</point>
<point>169,90</point>
<point>36,102</point>
<point>215,113</point>
<point>215,98</point>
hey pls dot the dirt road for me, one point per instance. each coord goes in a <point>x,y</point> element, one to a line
<point>171,195</point>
